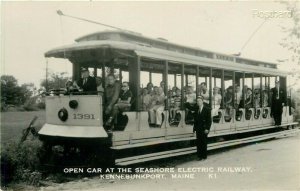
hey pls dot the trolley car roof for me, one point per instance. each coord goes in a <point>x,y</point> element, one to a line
<point>145,50</point>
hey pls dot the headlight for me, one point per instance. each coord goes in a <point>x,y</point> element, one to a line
<point>63,114</point>
<point>73,104</point>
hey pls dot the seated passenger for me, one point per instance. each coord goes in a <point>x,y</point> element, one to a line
<point>162,85</point>
<point>228,102</point>
<point>111,96</point>
<point>146,100</point>
<point>123,103</point>
<point>190,96</point>
<point>190,99</point>
<point>256,98</point>
<point>238,96</point>
<point>204,93</point>
<point>175,105</point>
<point>150,88</point>
<point>157,107</point>
<point>70,88</point>
<point>265,98</point>
<point>247,98</point>
<point>216,101</point>
<point>174,89</point>
<point>100,88</point>
<point>87,83</point>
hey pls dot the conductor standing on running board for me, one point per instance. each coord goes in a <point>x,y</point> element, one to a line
<point>202,123</point>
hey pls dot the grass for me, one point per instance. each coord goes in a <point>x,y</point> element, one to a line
<point>12,124</point>
<point>20,162</point>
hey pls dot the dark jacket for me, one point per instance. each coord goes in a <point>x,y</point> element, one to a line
<point>202,121</point>
<point>274,93</point>
<point>89,86</point>
<point>276,105</point>
<point>111,93</point>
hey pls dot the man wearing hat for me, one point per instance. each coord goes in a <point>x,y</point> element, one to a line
<point>278,99</point>
<point>87,83</point>
<point>202,123</point>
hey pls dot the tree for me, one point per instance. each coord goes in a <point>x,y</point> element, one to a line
<point>292,41</point>
<point>27,91</point>
<point>10,91</point>
<point>55,81</point>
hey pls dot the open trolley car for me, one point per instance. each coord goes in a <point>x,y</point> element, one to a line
<point>139,60</point>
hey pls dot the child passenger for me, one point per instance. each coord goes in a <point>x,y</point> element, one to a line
<point>175,104</point>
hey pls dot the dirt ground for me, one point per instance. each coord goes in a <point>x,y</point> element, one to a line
<point>271,165</point>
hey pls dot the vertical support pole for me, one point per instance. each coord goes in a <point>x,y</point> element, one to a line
<point>243,89</point>
<point>166,84</point>
<point>150,77</point>
<point>266,82</point>
<point>215,82</point>
<point>233,92</point>
<point>252,83</point>
<point>182,84</point>
<point>138,82</point>
<point>210,87</point>
<point>175,80</point>
<point>233,89</point>
<point>186,80</point>
<point>197,81</point>
<point>261,98</point>
<point>223,89</point>
<point>95,71</point>
<point>269,91</point>
<point>103,75</point>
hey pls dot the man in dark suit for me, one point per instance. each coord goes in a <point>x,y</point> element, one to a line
<point>87,83</point>
<point>202,123</point>
<point>278,99</point>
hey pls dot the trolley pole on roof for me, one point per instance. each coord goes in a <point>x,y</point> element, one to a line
<point>60,13</point>
<point>46,75</point>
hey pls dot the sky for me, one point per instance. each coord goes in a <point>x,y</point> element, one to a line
<point>29,29</point>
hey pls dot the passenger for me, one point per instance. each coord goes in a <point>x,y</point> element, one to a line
<point>150,88</point>
<point>146,100</point>
<point>216,101</point>
<point>111,96</point>
<point>278,99</point>
<point>257,103</point>
<point>155,112</point>
<point>87,83</point>
<point>123,103</point>
<point>190,96</point>
<point>190,99</point>
<point>265,98</point>
<point>175,106</point>
<point>238,96</point>
<point>174,89</point>
<point>256,98</point>
<point>70,88</point>
<point>265,103</point>
<point>228,102</point>
<point>248,104</point>
<point>247,98</point>
<point>162,85</point>
<point>100,88</point>
<point>204,93</point>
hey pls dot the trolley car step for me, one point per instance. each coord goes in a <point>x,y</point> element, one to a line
<point>190,150</point>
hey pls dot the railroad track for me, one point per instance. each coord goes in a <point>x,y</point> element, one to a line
<point>212,146</point>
